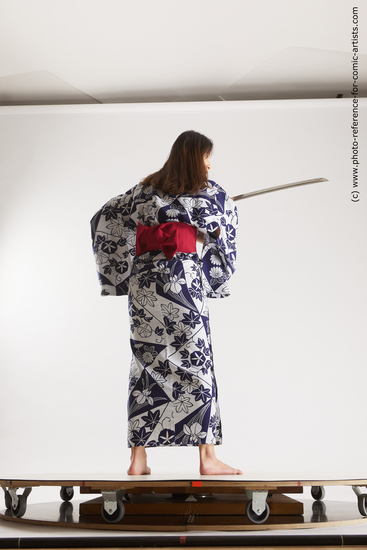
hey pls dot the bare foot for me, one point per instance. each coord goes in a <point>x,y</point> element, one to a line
<point>138,462</point>
<point>135,470</point>
<point>210,465</point>
<point>216,467</point>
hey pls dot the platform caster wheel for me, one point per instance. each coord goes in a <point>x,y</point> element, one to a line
<point>116,516</point>
<point>8,501</point>
<point>253,517</point>
<point>362,504</point>
<point>66,493</point>
<point>318,493</point>
<point>21,508</point>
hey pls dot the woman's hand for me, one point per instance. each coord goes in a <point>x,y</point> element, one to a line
<point>200,237</point>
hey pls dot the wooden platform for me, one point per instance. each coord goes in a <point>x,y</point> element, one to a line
<point>177,505</point>
<point>183,503</point>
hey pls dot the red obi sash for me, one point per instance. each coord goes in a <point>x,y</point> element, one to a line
<point>170,237</point>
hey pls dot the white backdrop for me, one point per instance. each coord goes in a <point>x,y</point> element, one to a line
<point>290,342</point>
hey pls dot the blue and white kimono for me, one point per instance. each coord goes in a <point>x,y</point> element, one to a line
<point>172,391</point>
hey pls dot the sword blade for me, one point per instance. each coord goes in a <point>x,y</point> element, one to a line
<point>277,188</point>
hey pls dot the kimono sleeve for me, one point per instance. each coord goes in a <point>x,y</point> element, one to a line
<point>113,240</point>
<point>219,253</point>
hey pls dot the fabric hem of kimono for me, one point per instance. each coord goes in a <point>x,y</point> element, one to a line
<point>174,445</point>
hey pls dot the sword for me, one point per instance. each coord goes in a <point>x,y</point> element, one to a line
<point>277,188</point>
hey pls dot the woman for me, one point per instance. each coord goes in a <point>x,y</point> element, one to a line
<point>145,246</point>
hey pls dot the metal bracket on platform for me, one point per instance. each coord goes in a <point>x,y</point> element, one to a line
<point>258,499</point>
<point>357,490</point>
<point>110,499</point>
<point>15,498</point>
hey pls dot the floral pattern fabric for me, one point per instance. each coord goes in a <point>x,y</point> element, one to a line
<point>173,397</point>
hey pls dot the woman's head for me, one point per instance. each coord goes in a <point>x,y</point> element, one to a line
<point>186,169</point>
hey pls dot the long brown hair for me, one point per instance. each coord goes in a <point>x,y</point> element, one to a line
<point>184,170</point>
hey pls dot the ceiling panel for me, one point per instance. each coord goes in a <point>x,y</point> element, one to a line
<point>116,51</point>
<point>39,88</point>
<point>297,73</point>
